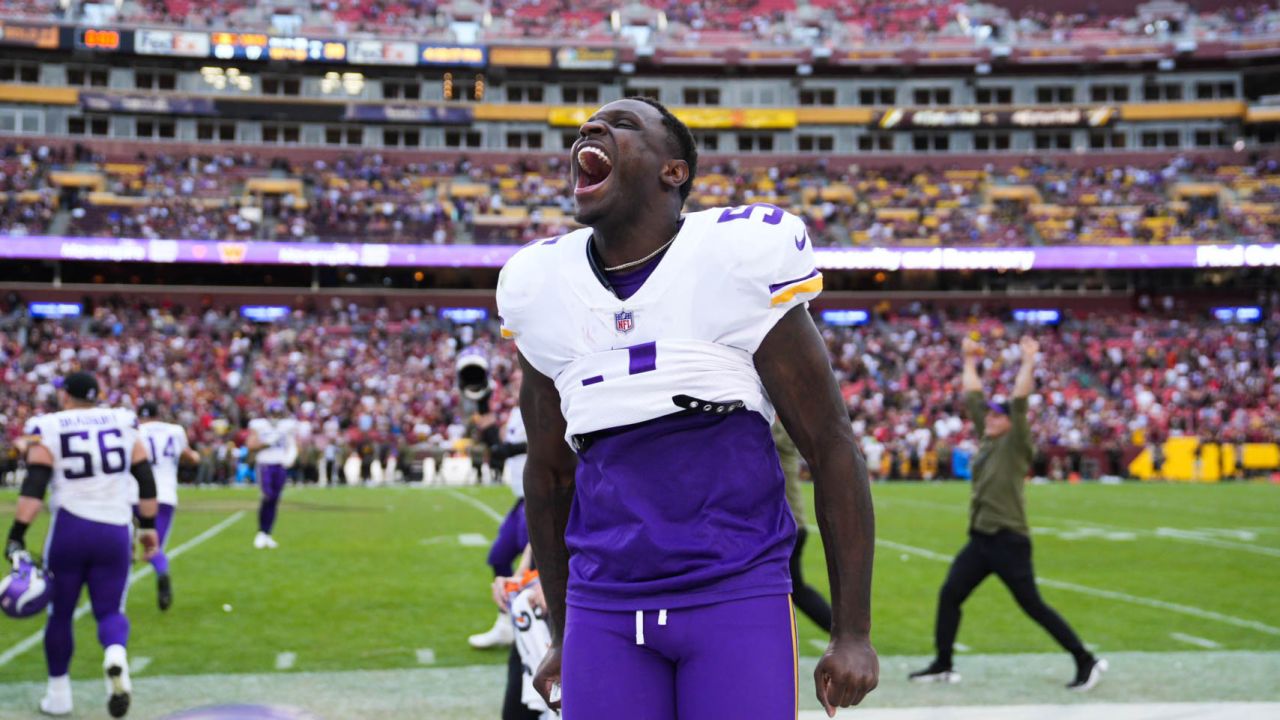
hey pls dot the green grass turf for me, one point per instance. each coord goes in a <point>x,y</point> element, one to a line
<point>366,577</point>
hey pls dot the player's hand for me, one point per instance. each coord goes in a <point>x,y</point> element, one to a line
<point>1030,347</point>
<point>970,348</point>
<point>848,670</point>
<point>548,676</point>
<point>149,541</point>
<point>538,599</point>
<point>499,590</point>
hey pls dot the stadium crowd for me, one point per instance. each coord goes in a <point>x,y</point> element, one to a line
<point>716,21</point>
<point>369,385</point>
<point>369,198</point>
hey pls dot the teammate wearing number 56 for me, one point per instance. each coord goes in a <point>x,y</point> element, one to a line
<point>656,349</point>
<point>87,457</point>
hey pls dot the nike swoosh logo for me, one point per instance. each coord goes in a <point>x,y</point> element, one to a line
<point>800,241</point>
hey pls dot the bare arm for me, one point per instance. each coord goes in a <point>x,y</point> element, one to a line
<point>189,457</point>
<point>548,488</point>
<point>1025,382</point>
<point>970,382</point>
<point>147,507</point>
<point>794,366</point>
<point>548,495</point>
<point>253,442</point>
<point>29,507</point>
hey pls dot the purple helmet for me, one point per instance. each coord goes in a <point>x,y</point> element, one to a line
<point>25,591</point>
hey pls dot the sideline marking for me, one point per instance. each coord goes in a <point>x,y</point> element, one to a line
<point>139,664</point>
<point>1193,640</point>
<point>476,504</point>
<point>426,656</point>
<point>34,639</point>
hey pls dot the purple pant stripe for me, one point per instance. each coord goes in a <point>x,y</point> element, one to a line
<point>729,660</point>
<point>82,552</point>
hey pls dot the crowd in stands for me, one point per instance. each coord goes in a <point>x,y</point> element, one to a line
<point>373,385</point>
<point>716,21</point>
<point>368,198</point>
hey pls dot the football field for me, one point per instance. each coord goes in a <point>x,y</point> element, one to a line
<point>364,609</point>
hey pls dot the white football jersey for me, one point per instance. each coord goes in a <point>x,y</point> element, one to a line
<point>513,433</point>
<point>165,443</point>
<point>691,329</point>
<point>533,638</point>
<point>279,438</point>
<point>92,452</point>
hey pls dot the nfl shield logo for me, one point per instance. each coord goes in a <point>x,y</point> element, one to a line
<point>624,321</point>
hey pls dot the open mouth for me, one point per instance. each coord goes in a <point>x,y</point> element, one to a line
<point>594,167</point>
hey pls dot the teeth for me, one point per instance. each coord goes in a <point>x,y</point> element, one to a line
<point>596,152</point>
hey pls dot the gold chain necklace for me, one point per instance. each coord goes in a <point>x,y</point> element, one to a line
<point>644,259</point>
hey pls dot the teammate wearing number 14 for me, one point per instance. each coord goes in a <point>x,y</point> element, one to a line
<point>168,447</point>
<point>88,456</point>
<point>655,347</point>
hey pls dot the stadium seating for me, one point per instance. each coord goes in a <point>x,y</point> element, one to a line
<point>366,198</point>
<point>713,21</point>
<point>358,375</point>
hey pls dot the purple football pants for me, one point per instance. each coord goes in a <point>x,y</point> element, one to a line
<point>272,478</point>
<point>513,535</point>
<point>729,660</point>
<point>80,552</point>
<point>164,522</point>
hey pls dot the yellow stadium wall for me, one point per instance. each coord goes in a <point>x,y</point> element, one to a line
<point>1215,460</point>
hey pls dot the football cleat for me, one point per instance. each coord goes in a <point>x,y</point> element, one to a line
<point>25,591</point>
<point>57,696</point>
<point>935,673</point>
<point>164,591</point>
<point>119,689</point>
<point>502,634</point>
<point>1088,675</point>
<point>263,541</point>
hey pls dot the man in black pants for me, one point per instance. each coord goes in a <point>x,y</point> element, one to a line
<point>999,539</point>
<point>809,601</point>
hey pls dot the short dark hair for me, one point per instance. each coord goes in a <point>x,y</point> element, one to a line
<point>686,147</point>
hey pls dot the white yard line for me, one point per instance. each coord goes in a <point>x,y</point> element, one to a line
<point>139,664</point>
<point>1109,594</point>
<point>34,639</point>
<point>286,660</point>
<point>476,504</point>
<point>473,540</point>
<point>1205,643</point>
<point>426,656</point>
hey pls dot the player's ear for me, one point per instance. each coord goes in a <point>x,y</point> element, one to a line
<point>675,172</point>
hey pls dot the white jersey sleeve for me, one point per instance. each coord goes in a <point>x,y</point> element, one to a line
<point>775,270</point>
<point>92,451</point>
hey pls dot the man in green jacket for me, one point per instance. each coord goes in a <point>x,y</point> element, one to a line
<point>999,539</point>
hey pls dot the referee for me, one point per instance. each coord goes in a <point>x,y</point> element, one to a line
<point>999,540</point>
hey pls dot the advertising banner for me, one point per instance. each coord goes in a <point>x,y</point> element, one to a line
<point>382,52</point>
<point>26,34</point>
<point>534,57</point>
<point>586,58</point>
<point>172,43</point>
<point>465,55</point>
<point>1077,257</point>
<point>146,104</point>
<point>413,114</point>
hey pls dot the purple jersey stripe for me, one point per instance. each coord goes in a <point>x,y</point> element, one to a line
<point>593,380</point>
<point>643,357</point>
<point>779,286</point>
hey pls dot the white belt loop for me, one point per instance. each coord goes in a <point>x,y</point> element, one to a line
<point>662,617</point>
<point>639,627</point>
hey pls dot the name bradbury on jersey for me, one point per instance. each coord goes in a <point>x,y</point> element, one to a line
<point>81,420</point>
